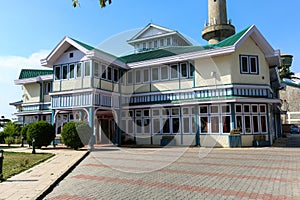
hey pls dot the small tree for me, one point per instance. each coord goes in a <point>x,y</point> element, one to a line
<point>76,134</point>
<point>2,137</point>
<point>43,133</point>
<point>11,129</point>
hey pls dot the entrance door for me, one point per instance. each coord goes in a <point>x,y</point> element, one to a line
<point>108,131</point>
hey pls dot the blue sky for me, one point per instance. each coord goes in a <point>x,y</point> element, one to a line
<point>32,28</point>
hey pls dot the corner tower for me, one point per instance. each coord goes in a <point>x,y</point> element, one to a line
<point>218,27</point>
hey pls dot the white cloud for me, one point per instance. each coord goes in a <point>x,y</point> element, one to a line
<point>10,70</point>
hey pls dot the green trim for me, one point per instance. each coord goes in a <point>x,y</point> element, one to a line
<point>31,73</point>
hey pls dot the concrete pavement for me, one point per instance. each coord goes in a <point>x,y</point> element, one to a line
<point>33,183</point>
<point>184,173</point>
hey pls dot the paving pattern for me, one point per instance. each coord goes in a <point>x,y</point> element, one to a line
<point>184,173</point>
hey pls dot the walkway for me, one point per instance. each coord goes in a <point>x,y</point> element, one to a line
<point>35,181</point>
<point>184,173</point>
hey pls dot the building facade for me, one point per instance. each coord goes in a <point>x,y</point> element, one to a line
<point>195,95</point>
<point>35,104</point>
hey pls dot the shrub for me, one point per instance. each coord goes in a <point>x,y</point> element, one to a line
<point>2,137</point>
<point>12,129</point>
<point>9,140</point>
<point>43,133</point>
<point>24,130</point>
<point>76,134</point>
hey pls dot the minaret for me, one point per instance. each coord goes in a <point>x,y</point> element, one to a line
<point>218,27</point>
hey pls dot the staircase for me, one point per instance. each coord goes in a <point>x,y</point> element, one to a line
<point>292,140</point>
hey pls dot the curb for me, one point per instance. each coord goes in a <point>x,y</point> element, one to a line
<point>64,175</point>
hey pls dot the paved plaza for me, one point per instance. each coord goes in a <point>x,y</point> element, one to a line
<point>184,173</point>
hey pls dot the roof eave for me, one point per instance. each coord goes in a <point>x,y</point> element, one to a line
<point>185,56</point>
<point>33,80</point>
<point>94,54</point>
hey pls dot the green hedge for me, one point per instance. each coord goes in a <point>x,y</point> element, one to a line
<point>43,133</point>
<point>76,134</point>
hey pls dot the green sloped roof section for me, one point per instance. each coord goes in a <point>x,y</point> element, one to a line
<point>161,53</point>
<point>232,40</point>
<point>171,51</point>
<point>90,48</point>
<point>31,73</point>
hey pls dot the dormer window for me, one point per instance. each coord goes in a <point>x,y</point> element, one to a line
<point>249,64</point>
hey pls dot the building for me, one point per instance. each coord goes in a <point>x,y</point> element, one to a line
<point>36,102</point>
<point>194,95</point>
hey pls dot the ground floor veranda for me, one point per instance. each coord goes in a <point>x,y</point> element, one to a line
<point>211,124</point>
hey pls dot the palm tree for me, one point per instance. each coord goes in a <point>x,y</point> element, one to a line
<point>102,3</point>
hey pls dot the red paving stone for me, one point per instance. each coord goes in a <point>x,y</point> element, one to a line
<point>217,158</point>
<point>189,188</point>
<point>71,197</point>
<point>200,163</point>
<point>294,180</point>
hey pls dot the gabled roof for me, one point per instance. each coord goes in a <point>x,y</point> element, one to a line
<point>88,50</point>
<point>228,45</point>
<point>159,32</point>
<point>31,73</point>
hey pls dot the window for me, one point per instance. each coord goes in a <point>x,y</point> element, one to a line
<point>183,70</point>
<point>253,65</point>
<point>215,124</point>
<point>65,72</point>
<point>137,76</point>
<point>263,123</point>
<point>146,75</point>
<point>78,70</point>
<point>174,71</point>
<point>96,69</point>
<point>203,110</point>
<point>192,70</point>
<point>214,109</point>
<point>248,124</point>
<point>166,125</point>
<point>225,109</point>
<point>155,74</point>
<point>168,41</point>
<point>175,125</point>
<point>186,125</point>
<point>87,68</point>
<point>103,70</point>
<point>129,77</point>
<point>109,73</point>
<point>226,124</point>
<point>116,75</point>
<point>249,64</point>
<point>162,42</point>
<point>47,88</point>
<point>155,44</point>
<point>71,55</point>
<point>72,71</point>
<point>57,73</point>
<point>204,124</point>
<point>164,73</point>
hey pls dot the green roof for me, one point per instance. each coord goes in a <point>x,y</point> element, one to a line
<point>31,73</point>
<point>230,41</point>
<point>177,50</point>
<point>90,48</point>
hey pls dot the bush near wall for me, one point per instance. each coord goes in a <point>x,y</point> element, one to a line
<point>43,133</point>
<point>76,134</point>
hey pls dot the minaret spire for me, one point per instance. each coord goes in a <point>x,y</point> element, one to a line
<point>218,27</point>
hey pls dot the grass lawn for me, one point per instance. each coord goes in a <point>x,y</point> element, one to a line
<point>14,163</point>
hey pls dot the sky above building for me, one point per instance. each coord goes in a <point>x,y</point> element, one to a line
<point>31,29</point>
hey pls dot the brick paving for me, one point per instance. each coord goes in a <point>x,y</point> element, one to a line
<point>184,173</point>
